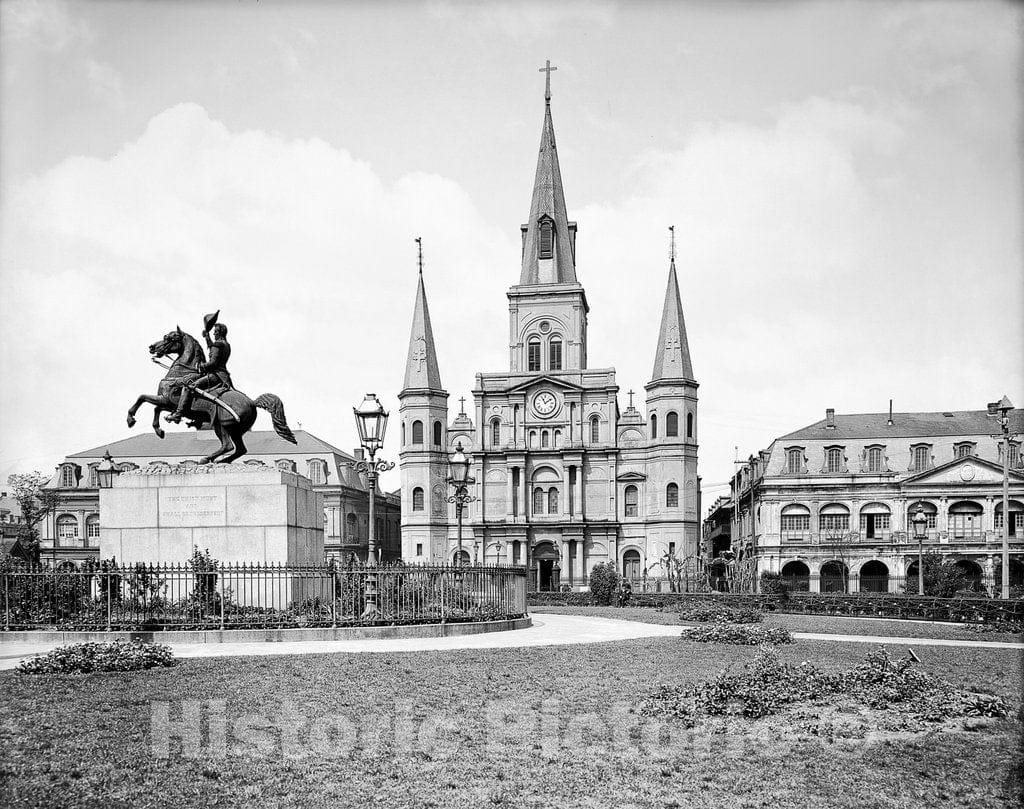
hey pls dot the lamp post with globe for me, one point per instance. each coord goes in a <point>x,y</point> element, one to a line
<point>371,422</point>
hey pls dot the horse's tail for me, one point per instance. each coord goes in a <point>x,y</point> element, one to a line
<point>274,406</point>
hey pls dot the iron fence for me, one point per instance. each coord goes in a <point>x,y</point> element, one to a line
<point>150,597</point>
<point>849,584</point>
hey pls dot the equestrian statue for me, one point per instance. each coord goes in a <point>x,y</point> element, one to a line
<point>202,392</point>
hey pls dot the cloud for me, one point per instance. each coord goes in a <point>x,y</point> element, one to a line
<point>105,83</point>
<point>523,20</point>
<point>45,23</point>
<point>300,245</point>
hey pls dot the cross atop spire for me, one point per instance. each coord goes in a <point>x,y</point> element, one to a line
<point>672,243</point>
<point>547,79</point>
<point>549,238</point>
<point>672,356</point>
<point>421,368</point>
<point>419,246</point>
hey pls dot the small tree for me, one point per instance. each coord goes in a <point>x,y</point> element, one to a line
<point>604,581</point>
<point>36,503</point>
<point>941,578</point>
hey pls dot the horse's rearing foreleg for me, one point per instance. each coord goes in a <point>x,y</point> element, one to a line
<point>158,402</point>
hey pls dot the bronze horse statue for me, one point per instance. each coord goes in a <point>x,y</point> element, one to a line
<point>232,414</point>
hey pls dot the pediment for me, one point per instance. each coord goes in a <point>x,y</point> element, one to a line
<point>631,476</point>
<point>972,471</point>
<point>546,381</point>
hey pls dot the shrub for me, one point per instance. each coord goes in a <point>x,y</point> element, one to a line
<point>604,581</point>
<point>942,578</point>
<point>720,613</point>
<point>766,685</point>
<point>738,634</point>
<point>117,655</point>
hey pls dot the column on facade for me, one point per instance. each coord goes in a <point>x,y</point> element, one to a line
<point>579,491</point>
<point>989,515</point>
<point>572,412</point>
<point>508,492</point>
<point>942,517</point>
<point>563,561</point>
<point>508,553</point>
<point>524,492</point>
<point>577,574</point>
<point>563,506</point>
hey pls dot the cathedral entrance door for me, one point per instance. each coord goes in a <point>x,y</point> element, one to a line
<point>547,575</point>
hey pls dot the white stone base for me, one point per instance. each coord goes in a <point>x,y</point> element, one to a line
<point>242,514</point>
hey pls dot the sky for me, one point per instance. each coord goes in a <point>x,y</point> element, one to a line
<point>844,180</point>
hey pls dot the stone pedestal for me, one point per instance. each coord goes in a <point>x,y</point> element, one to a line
<point>242,514</point>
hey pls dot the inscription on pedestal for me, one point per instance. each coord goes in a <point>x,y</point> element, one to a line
<point>199,508</point>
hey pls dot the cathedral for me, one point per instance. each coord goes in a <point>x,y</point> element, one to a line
<point>562,479</point>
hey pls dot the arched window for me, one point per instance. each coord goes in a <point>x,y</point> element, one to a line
<point>543,439</point>
<point>533,354</point>
<point>834,459</point>
<point>92,526</point>
<point>286,465</point>
<point>875,459</point>
<point>553,500</point>
<point>689,425</point>
<point>632,499</point>
<point>417,499</point>
<point>794,461</point>
<point>931,514</point>
<point>317,472</point>
<point>965,519</point>
<point>67,476</point>
<point>67,528</point>
<point>672,496</point>
<point>595,430</point>
<point>538,500</point>
<point>654,426</point>
<point>417,432</point>
<point>546,246</point>
<point>922,457</point>
<point>795,521</point>
<point>533,439</point>
<point>403,433</point>
<point>557,438</point>
<point>250,462</point>
<point>555,354</point>
<point>1016,525</point>
<point>351,526</point>
<point>875,521</point>
<point>496,433</point>
<point>833,519</point>
<point>672,425</point>
<point>437,434</point>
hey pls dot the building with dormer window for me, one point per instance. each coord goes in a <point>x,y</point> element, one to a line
<point>564,479</point>
<point>842,521</point>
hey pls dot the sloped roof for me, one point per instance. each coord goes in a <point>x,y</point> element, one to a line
<point>258,442</point>
<point>906,425</point>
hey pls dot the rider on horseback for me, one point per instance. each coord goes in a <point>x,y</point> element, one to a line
<point>214,372</point>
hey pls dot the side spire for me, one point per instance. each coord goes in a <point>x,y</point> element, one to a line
<point>421,369</point>
<point>672,356</point>
<point>549,238</point>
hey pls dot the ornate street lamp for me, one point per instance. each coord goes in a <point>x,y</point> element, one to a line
<point>371,422</point>
<point>459,480</point>
<point>106,471</point>
<point>1002,409</point>
<point>920,523</point>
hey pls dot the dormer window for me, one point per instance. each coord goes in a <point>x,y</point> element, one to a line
<point>546,245</point>
<point>965,449</point>
<point>920,457</point>
<point>794,460</point>
<point>874,459</point>
<point>68,478</point>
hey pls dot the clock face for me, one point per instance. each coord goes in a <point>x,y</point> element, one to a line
<point>545,403</point>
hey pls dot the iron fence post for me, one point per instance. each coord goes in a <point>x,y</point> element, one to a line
<point>7,610</point>
<point>109,624</point>
<point>221,580</point>
<point>334,599</point>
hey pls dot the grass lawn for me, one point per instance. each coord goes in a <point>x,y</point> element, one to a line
<point>886,627</point>
<point>539,727</point>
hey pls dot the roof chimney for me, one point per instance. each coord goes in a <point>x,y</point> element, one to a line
<point>830,418</point>
<point>889,422</point>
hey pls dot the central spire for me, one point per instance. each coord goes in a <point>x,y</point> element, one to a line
<point>549,238</point>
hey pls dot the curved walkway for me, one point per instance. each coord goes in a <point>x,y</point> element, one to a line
<point>549,629</point>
